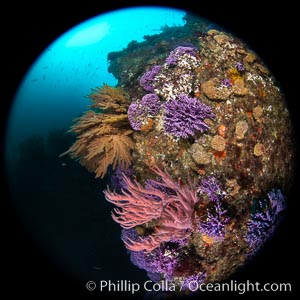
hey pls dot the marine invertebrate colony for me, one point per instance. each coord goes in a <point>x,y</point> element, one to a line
<point>264,219</point>
<point>135,116</point>
<point>216,217</point>
<point>185,116</point>
<point>215,222</point>
<point>162,261</point>
<point>177,53</point>
<point>172,212</point>
<point>111,150</point>
<point>147,79</point>
<point>151,103</point>
<point>138,112</point>
<point>103,138</point>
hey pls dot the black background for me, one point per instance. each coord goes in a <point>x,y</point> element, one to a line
<point>28,29</point>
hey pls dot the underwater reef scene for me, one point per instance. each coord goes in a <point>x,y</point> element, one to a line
<point>197,141</point>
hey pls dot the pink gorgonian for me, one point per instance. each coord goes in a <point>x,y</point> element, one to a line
<point>167,202</point>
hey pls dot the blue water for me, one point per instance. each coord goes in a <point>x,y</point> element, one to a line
<point>54,89</point>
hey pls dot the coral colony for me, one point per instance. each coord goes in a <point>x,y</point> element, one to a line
<point>264,219</point>
<point>147,79</point>
<point>194,154</point>
<point>175,210</point>
<point>184,116</point>
<point>215,218</point>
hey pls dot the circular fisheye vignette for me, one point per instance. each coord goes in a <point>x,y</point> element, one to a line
<point>185,129</point>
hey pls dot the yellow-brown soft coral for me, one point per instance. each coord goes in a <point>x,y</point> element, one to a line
<point>110,150</point>
<point>110,99</point>
<point>103,138</point>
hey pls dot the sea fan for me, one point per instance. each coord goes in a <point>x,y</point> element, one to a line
<point>110,150</point>
<point>109,99</point>
<point>103,139</point>
<point>172,211</point>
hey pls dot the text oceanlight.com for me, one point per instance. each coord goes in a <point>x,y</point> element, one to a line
<point>150,286</point>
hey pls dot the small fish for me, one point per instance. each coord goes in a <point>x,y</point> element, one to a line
<point>34,80</point>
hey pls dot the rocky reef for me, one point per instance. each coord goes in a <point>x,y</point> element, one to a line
<point>211,148</point>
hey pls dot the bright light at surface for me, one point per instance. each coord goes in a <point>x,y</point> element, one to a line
<point>89,35</point>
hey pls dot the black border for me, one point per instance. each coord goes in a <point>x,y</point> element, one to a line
<point>29,29</point>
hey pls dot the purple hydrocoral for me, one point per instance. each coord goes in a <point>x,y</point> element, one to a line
<point>193,282</point>
<point>185,115</point>
<point>162,260</point>
<point>156,184</point>
<point>240,67</point>
<point>181,242</point>
<point>265,219</point>
<point>147,79</point>
<point>226,82</point>
<point>117,179</point>
<point>136,115</point>
<point>159,262</point>
<point>216,219</point>
<point>151,104</point>
<point>129,234</point>
<point>277,201</point>
<point>138,112</point>
<point>259,227</point>
<point>210,187</point>
<point>140,258</point>
<point>178,52</point>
